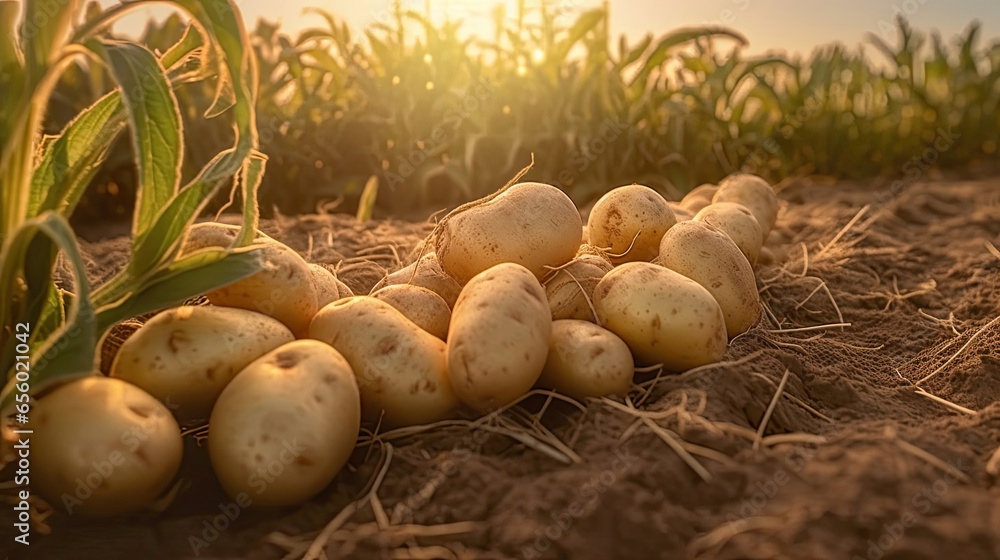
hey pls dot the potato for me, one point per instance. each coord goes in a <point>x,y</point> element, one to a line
<point>531,224</point>
<point>286,425</point>
<point>429,274</point>
<point>624,212</point>
<point>736,221</point>
<point>680,212</point>
<point>329,288</point>
<point>499,337</point>
<point>586,360</point>
<point>566,299</point>
<point>283,289</point>
<point>767,256</point>
<point>708,256</point>
<point>426,309</point>
<point>699,197</point>
<point>663,317</point>
<point>186,356</point>
<point>401,368</point>
<point>102,447</point>
<point>754,193</point>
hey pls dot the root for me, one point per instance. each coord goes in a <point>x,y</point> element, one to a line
<point>795,399</point>
<point>825,249</point>
<point>993,465</point>
<point>930,459</point>
<point>992,249</point>
<point>717,538</point>
<point>812,328</point>
<point>960,350</point>
<point>770,409</point>
<point>947,403</point>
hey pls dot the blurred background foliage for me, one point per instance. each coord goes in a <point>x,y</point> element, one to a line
<point>440,117</point>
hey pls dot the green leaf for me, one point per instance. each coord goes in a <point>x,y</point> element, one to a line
<point>676,38</point>
<point>368,196</point>
<point>44,29</point>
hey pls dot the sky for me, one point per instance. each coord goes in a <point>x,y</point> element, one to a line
<point>794,26</point>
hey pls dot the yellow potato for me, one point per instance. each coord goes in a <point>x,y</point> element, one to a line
<point>754,193</point>
<point>563,290</point>
<point>102,447</point>
<point>739,223</point>
<point>699,197</point>
<point>186,356</point>
<point>286,425</point>
<point>428,275</point>
<point>329,288</point>
<point>623,213</point>
<point>531,224</point>
<point>664,317</point>
<point>426,309</point>
<point>680,212</point>
<point>708,256</point>
<point>499,337</point>
<point>586,360</point>
<point>401,368</point>
<point>283,289</point>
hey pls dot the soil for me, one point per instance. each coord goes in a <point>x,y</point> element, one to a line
<point>854,462</point>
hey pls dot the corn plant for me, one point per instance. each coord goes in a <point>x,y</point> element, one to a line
<point>44,177</point>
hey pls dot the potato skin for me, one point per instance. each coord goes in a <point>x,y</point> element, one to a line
<point>429,274</point>
<point>622,213</point>
<point>426,309</point>
<point>663,317</point>
<point>283,289</point>
<point>681,213</point>
<point>186,356</point>
<point>531,224</point>
<point>329,288</point>
<point>286,425</point>
<point>754,193</point>
<point>401,369</point>
<point>699,197</point>
<point>566,299</point>
<point>739,223</point>
<point>586,360</point>
<point>498,340</point>
<point>708,256</point>
<point>102,446</point>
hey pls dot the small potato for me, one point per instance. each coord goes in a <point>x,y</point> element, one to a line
<point>699,197</point>
<point>708,256</point>
<point>623,213</point>
<point>429,274</point>
<point>664,317</point>
<point>102,446</point>
<point>329,288</point>
<point>736,221</point>
<point>586,360</point>
<point>283,289</point>
<point>499,337</point>
<point>426,309</point>
<point>531,224</point>
<point>680,212</point>
<point>754,193</point>
<point>767,256</point>
<point>286,425</point>
<point>186,356</point>
<point>401,368</point>
<point>563,290</point>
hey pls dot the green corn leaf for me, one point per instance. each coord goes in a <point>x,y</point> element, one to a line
<point>249,179</point>
<point>368,196</point>
<point>44,30</point>
<point>671,40</point>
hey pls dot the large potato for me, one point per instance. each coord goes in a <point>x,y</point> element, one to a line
<point>681,213</point>
<point>708,256</point>
<point>426,272</point>
<point>186,356</point>
<point>623,213</point>
<point>426,309</point>
<point>283,289</point>
<point>664,317</point>
<point>329,288</point>
<point>754,193</point>
<point>570,289</point>
<point>102,447</point>
<point>499,337</point>
<point>586,360</point>
<point>401,368</point>
<point>699,197</point>
<point>286,425</point>
<point>531,224</point>
<point>739,223</point>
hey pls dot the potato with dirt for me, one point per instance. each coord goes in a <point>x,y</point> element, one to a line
<point>571,289</point>
<point>284,289</point>
<point>186,356</point>
<point>739,223</point>
<point>499,337</point>
<point>754,193</point>
<point>329,288</point>
<point>402,370</point>
<point>532,224</point>
<point>705,254</point>
<point>628,223</point>
<point>426,272</point>
<point>102,446</point>
<point>664,317</point>
<point>426,309</point>
<point>286,425</point>
<point>586,360</point>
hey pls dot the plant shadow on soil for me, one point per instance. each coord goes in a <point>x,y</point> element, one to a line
<point>896,474</point>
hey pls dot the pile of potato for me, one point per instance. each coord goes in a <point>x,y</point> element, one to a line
<point>509,293</point>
